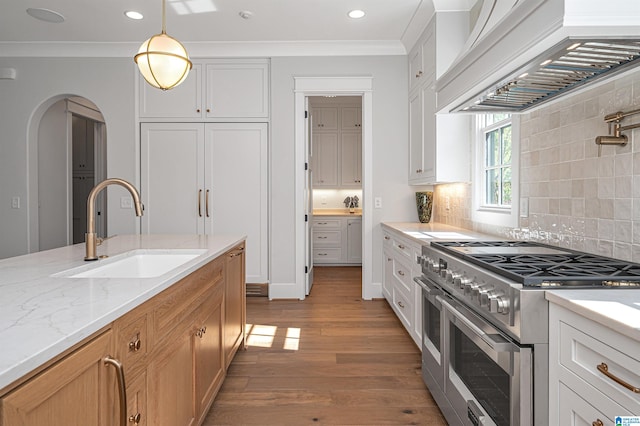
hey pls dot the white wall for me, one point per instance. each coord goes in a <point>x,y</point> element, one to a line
<point>110,84</point>
<point>390,155</point>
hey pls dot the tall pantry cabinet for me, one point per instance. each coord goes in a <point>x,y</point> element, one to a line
<point>203,153</point>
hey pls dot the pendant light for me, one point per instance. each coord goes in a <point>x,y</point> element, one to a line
<point>163,61</point>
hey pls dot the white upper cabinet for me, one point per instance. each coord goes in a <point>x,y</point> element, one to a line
<point>215,90</point>
<point>325,118</point>
<point>439,144</point>
<point>351,118</point>
<point>351,160</point>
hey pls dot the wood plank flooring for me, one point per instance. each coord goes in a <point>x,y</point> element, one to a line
<point>332,359</point>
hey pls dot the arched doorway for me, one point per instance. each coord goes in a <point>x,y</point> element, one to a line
<point>71,159</point>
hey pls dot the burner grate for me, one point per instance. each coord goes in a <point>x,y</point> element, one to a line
<point>569,268</point>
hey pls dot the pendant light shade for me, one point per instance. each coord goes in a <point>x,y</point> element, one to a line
<point>162,60</point>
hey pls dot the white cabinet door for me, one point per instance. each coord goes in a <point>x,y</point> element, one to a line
<point>237,89</point>
<point>325,118</point>
<point>351,118</point>
<point>172,178</point>
<point>183,101</point>
<point>325,158</point>
<point>351,160</point>
<point>429,136</point>
<point>415,136</point>
<point>201,178</point>
<point>236,175</point>
<point>354,240</point>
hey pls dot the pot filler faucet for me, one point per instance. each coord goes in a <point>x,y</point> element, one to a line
<point>91,239</point>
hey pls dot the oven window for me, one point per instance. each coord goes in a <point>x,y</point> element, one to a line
<point>489,383</point>
<point>432,323</point>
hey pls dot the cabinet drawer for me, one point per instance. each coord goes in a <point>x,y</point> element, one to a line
<point>327,255</point>
<point>403,307</point>
<point>176,304</point>
<point>402,274</point>
<point>327,238</point>
<point>132,342</point>
<point>577,411</point>
<point>583,355</point>
<point>137,400</point>
<point>327,223</point>
<point>387,240</point>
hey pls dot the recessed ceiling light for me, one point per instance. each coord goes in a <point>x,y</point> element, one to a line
<point>45,15</point>
<point>356,14</point>
<point>246,14</point>
<point>132,14</point>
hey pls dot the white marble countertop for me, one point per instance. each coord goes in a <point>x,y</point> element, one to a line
<point>617,309</point>
<point>424,233</point>
<point>42,316</point>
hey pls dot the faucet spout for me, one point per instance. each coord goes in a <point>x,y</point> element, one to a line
<point>91,239</point>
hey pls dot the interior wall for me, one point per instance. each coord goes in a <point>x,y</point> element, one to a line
<point>107,82</point>
<point>53,172</point>
<point>390,155</point>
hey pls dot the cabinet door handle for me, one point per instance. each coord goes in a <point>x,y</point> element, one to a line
<point>418,74</point>
<point>135,345</point>
<point>387,237</point>
<point>208,109</point>
<point>199,202</point>
<point>122,389</point>
<point>198,110</point>
<point>135,418</point>
<point>401,304</point>
<point>401,247</point>
<point>604,369</point>
<point>401,273</point>
<point>206,203</point>
<point>597,422</point>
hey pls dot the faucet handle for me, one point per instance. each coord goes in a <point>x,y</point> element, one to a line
<point>99,241</point>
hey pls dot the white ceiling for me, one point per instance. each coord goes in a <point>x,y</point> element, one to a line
<point>393,25</point>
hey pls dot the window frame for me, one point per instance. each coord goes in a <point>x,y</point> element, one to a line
<point>481,211</point>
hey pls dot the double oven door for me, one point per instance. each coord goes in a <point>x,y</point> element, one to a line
<point>477,374</point>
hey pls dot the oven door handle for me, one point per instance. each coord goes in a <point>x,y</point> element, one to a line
<point>432,292</point>
<point>495,341</point>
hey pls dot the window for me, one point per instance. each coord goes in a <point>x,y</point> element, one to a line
<point>495,194</point>
<point>497,160</point>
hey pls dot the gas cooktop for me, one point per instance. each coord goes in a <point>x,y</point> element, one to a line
<point>540,265</point>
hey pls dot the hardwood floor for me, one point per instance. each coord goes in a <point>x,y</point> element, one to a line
<point>332,359</point>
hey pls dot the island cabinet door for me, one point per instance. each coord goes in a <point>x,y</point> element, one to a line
<point>79,390</point>
<point>170,384</point>
<point>234,304</point>
<point>209,366</point>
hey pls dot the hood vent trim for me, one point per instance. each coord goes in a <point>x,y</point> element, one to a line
<point>572,63</point>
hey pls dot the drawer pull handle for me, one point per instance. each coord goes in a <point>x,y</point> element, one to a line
<point>135,418</point>
<point>322,238</point>
<point>401,247</point>
<point>386,238</point>
<point>201,332</point>
<point>597,423</point>
<point>604,369</point>
<point>135,345</point>
<point>389,259</point>
<point>401,273</point>
<point>401,305</point>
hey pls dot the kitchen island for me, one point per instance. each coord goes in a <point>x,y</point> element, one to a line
<point>50,311</point>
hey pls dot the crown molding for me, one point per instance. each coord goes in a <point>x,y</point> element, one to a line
<point>209,49</point>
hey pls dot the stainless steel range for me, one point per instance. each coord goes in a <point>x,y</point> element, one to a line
<point>485,324</point>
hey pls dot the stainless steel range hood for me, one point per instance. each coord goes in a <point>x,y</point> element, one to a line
<point>540,50</point>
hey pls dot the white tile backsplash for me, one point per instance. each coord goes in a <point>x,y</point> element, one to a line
<point>577,199</point>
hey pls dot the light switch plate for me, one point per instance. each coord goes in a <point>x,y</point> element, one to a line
<point>377,203</point>
<point>15,202</point>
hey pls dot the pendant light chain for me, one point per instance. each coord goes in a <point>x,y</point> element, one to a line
<point>164,20</point>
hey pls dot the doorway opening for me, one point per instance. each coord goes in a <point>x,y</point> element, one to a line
<point>335,183</point>
<point>305,87</point>
<point>71,160</point>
